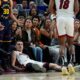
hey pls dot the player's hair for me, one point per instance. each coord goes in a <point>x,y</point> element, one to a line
<point>18,41</point>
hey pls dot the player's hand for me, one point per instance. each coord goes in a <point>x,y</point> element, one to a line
<point>21,69</point>
<point>1,27</point>
<point>52,16</point>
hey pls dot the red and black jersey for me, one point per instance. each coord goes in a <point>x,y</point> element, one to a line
<point>5,8</point>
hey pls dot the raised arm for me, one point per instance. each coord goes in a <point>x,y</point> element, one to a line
<point>51,6</point>
<point>76,7</point>
<point>11,14</point>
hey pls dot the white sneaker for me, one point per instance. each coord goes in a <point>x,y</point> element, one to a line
<point>77,68</point>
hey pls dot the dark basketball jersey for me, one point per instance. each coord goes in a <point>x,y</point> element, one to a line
<point>5,8</point>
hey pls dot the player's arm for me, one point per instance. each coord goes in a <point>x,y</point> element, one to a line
<point>0,2</point>
<point>11,14</point>
<point>76,7</point>
<point>14,62</point>
<point>51,6</point>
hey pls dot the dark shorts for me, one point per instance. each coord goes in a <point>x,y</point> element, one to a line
<point>5,35</point>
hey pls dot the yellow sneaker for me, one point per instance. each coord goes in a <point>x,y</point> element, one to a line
<point>65,71</point>
<point>71,69</point>
<point>71,78</point>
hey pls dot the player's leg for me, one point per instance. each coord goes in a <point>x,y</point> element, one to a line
<point>70,34</point>
<point>56,67</point>
<point>36,65</point>
<point>62,50</point>
<point>71,48</point>
<point>62,37</point>
<point>41,66</point>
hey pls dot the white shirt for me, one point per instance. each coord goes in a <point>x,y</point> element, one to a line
<point>29,35</point>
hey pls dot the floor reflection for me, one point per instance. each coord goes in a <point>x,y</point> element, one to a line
<point>46,78</point>
<point>39,76</point>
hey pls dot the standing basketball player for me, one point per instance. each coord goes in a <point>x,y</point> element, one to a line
<point>5,33</point>
<point>66,11</point>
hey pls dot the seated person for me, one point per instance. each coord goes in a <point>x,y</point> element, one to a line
<point>25,61</point>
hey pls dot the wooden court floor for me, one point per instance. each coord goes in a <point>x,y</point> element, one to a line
<point>40,76</point>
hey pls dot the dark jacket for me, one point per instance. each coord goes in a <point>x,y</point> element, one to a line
<point>25,38</point>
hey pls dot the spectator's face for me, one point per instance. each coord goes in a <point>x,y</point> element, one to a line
<point>19,46</point>
<point>33,12</point>
<point>15,14</point>
<point>14,26</point>
<point>32,4</point>
<point>48,23</point>
<point>24,3</point>
<point>21,21</point>
<point>28,24</point>
<point>35,22</point>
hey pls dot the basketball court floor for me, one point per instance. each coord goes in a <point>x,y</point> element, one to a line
<point>40,76</point>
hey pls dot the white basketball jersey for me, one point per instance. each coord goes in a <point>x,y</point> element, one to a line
<point>21,57</point>
<point>64,7</point>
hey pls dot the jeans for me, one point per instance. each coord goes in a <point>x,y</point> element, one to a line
<point>38,53</point>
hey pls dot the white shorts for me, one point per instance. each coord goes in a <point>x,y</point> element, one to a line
<point>65,26</point>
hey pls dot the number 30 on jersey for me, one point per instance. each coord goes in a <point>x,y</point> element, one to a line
<point>5,11</point>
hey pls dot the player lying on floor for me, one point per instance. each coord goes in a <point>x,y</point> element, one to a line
<point>27,63</point>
